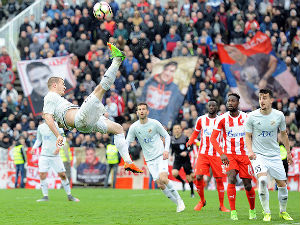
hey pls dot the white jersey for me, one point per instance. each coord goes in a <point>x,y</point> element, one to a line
<point>57,106</point>
<point>149,136</point>
<point>47,138</point>
<point>264,129</point>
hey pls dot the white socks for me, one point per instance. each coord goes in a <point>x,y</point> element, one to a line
<point>110,74</point>
<point>122,146</point>
<point>66,184</point>
<point>173,191</point>
<point>44,186</point>
<point>263,193</point>
<point>283,198</point>
<point>167,193</point>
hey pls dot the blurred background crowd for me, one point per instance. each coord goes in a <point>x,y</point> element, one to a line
<point>143,31</point>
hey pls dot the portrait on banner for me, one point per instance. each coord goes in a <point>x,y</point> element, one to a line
<point>165,90</point>
<point>34,75</point>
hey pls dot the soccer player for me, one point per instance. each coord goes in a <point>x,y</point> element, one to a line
<point>89,117</point>
<point>264,152</point>
<point>50,158</point>
<point>149,132</point>
<point>208,157</point>
<point>182,158</point>
<point>232,129</point>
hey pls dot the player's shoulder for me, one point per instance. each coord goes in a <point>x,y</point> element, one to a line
<point>277,112</point>
<point>254,113</point>
<point>50,96</point>
<point>222,116</point>
<point>154,121</point>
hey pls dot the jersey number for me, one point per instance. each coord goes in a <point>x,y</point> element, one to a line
<point>257,169</point>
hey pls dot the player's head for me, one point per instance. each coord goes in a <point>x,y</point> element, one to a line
<point>90,155</point>
<point>57,85</point>
<point>169,71</point>
<point>142,110</point>
<point>233,102</point>
<point>177,130</point>
<point>212,106</point>
<point>38,74</point>
<point>234,53</point>
<point>265,98</point>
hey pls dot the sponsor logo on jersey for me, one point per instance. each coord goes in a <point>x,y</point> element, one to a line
<point>237,134</point>
<point>266,134</point>
<point>207,132</point>
<point>148,140</point>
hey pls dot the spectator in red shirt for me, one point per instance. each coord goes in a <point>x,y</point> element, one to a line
<point>5,57</point>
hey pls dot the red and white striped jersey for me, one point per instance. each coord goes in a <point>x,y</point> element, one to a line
<point>205,126</point>
<point>233,130</point>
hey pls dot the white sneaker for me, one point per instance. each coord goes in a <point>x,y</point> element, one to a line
<point>180,206</point>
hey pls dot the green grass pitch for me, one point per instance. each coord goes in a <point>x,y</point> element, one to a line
<point>108,206</point>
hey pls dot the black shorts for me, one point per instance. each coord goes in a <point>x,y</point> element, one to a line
<point>185,163</point>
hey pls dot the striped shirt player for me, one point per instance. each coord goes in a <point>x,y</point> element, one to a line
<point>149,133</point>
<point>50,158</point>
<point>208,157</point>
<point>231,127</point>
<point>233,135</point>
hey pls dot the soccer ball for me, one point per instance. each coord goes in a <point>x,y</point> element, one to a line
<point>102,10</point>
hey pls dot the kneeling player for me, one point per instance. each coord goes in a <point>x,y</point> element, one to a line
<point>182,158</point>
<point>208,156</point>
<point>50,158</point>
<point>149,132</point>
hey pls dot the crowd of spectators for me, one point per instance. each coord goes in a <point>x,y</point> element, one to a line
<point>144,31</point>
<point>10,8</point>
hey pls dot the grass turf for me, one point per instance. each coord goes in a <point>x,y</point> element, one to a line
<point>108,206</point>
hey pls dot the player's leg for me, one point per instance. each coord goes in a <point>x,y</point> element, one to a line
<point>175,172</point>
<point>43,170</point>
<point>278,172</point>
<point>246,173</point>
<point>121,144</point>
<point>219,172</point>
<point>201,169</point>
<point>260,170</point>
<point>44,187</point>
<point>58,166</point>
<point>231,189</point>
<point>110,75</point>
<point>187,166</point>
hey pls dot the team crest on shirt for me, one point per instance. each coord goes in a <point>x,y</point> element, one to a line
<point>149,130</point>
<point>242,121</point>
<point>273,122</point>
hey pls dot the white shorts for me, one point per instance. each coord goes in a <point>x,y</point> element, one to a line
<point>45,162</point>
<point>271,165</point>
<point>158,166</point>
<point>89,117</point>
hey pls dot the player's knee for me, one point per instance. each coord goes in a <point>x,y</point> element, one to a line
<point>119,129</point>
<point>62,176</point>
<point>262,181</point>
<point>199,177</point>
<point>175,173</point>
<point>43,176</point>
<point>159,184</point>
<point>247,185</point>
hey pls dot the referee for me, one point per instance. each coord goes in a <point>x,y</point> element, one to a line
<point>182,158</point>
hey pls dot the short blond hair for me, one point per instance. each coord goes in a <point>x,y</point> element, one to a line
<point>53,80</point>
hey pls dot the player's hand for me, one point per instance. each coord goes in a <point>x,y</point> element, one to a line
<point>32,151</point>
<point>224,159</point>
<point>189,143</point>
<point>56,151</point>
<point>252,156</point>
<point>165,155</point>
<point>262,83</point>
<point>289,158</point>
<point>183,154</point>
<point>59,141</point>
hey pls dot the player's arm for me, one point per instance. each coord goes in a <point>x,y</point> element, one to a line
<point>162,132</point>
<point>51,124</point>
<point>38,141</point>
<point>61,132</point>
<point>130,135</point>
<point>220,124</point>
<point>195,133</point>
<point>272,64</point>
<point>248,137</point>
<point>286,143</point>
